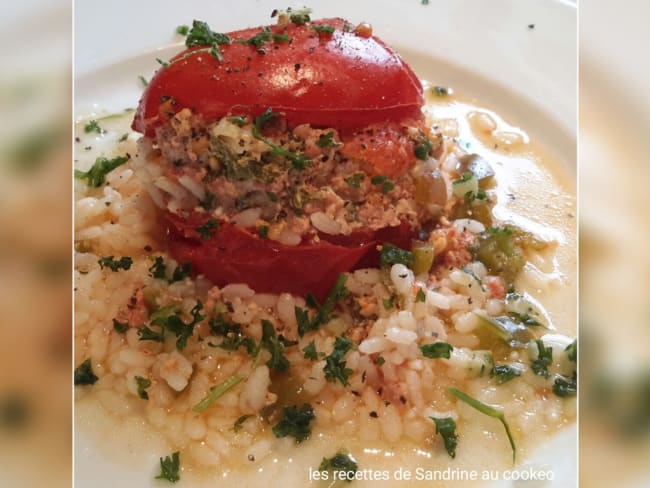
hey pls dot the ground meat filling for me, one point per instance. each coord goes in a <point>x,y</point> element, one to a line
<point>295,183</point>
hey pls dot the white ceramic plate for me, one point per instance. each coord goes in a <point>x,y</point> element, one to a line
<point>483,49</point>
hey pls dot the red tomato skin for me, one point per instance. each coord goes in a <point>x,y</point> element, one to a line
<point>235,255</point>
<point>343,81</point>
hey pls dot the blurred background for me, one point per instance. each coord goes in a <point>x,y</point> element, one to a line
<point>35,250</point>
<point>35,243</point>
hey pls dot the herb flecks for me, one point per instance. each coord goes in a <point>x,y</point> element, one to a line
<point>142,384</point>
<point>84,375</point>
<point>324,313</point>
<point>298,161</point>
<point>437,350</point>
<point>96,175</point>
<point>342,462</point>
<point>170,467</point>
<point>206,230</point>
<point>115,264</point>
<point>295,423</point>
<point>335,367</point>
<point>446,427</point>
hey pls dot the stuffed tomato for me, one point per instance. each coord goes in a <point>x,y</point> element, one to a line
<point>282,156</point>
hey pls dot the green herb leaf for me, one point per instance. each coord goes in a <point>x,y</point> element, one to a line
<point>264,36</point>
<point>115,264</point>
<point>239,120</point>
<point>342,462</point>
<point>93,126</point>
<point>205,230</point>
<point>446,427</point>
<point>420,296</point>
<point>300,16</point>
<point>423,149</point>
<point>175,324</point>
<point>158,269</point>
<point>120,327</point>
<point>96,175</point>
<point>504,373</point>
<point>324,314</point>
<point>201,35</point>
<point>355,180</point>
<point>572,351</point>
<point>380,361</point>
<point>83,374</point>
<point>295,423</point>
<point>162,63</point>
<point>143,80</point>
<point>389,302</point>
<point>147,334</point>
<point>327,140</point>
<point>239,423</point>
<point>170,467</point>
<point>488,410</point>
<point>143,384</point>
<point>437,350</point>
<point>323,29</point>
<point>391,254</point>
<point>298,161</point>
<point>124,137</point>
<point>182,30</point>
<point>264,231</point>
<point>386,184</point>
<point>310,352</point>
<point>217,392</point>
<point>543,361</point>
<point>334,365</point>
<point>566,387</point>
<point>441,91</point>
<point>181,272</point>
<point>270,342</point>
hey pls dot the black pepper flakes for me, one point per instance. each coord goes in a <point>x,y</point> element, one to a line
<point>296,66</point>
<point>374,414</point>
<point>531,26</point>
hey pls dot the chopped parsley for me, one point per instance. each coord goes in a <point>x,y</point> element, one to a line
<point>355,180</point>
<point>298,161</point>
<point>335,365</point>
<point>264,231</point>
<point>143,384</point>
<point>83,374</point>
<point>380,361</point>
<point>170,467</point>
<point>232,334</point>
<point>96,175</point>
<point>324,313</point>
<point>181,272</point>
<point>148,334</point>
<point>217,392</point>
<point>389,302</point>
<point>201,35</point>
<point>239,423</point>
<point>264,36</point>
<point>158,270</point>
<point>544,359</point>
<point>446,427</point>
<point>572,351</point>
<point>386,184</point>
<point>504,373</point>
<point>120,327</point>
<point>310,352</point>
<point>115,264</point>
<point>124,137</point>
<point>162,63</point>
<point>169,320</point>
<point>437,350</point>
<point>182,30</point>
<point>342,462</point>
<point>420,296</point>
<point>143,80</point>
<point>273,345</point>
<point>422,149</point>
<point>391,254</point>
<point>441,91</point>
<point>239,120</point>
<point>565,387</point>
<point>93,126</point>
<point>323,29</point>
<point>300,16</point>
<point>295,423</point>
<point>327,140</point>
<point>488,410</point>
<point>205,230</point>
<point>525,319</point>
<point>504,231</point>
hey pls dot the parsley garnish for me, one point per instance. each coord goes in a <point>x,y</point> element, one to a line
<point>446,427</point>
<point>264,231</point>
<point>169,468</point>
<point>295,423</point>
<point>335,366</point>
<point>182,30</point>
<point>181,272</point>
<point>120,327</point>
<point>504,373</point>
<point>423,149</point>
<point>389,302</point>
<point>504,231</point>
<point>441,91</point>
<point>168,320</point>
<point>380,361</point>
<point>265,35</point>
<point>299,17</point>
<point>391,254</point>
<point>386,184</point>
<point>298,161</point>
<point>93,126</point>
<point>162,63</point>
<point>239,423</point>
<point>271,343</point>
<point>342,462</point>
<point>544,359</point>
<point>143,80</point>
<point>124,137</point>
<point>310,352</point>
<point>327,140</point>
<point>205,230</point>
<point>572,351</point>
<point>232,334</point>
<point>355,180</point>
<point>323,29</point>
<point>323,314</point>
<point>437,350</point>
<point>143,384</point>
<point>420,296</point>
<point>96,175</point>
<point>158,269</point>
<point>489,411</point>
<point>565,387</point>
<point>201,35</point>
<point>115,264</point>
<point>147,334</point>
<point>217,392</point>
<point>83,374</point>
